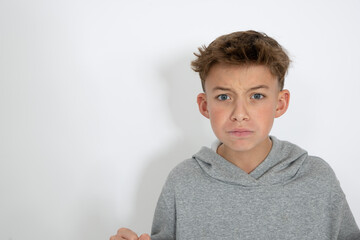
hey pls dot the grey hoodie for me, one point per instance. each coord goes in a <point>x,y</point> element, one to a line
<point>290,195</point>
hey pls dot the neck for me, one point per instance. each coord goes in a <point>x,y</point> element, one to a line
<point>247,160</point>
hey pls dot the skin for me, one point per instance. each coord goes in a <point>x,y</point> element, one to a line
<point>127,234</point>
<point>241,103</point>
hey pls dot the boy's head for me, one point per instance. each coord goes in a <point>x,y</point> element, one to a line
<point>242,76</point>
<point>243,48</point>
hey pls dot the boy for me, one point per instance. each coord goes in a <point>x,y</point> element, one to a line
<point>249,185</point>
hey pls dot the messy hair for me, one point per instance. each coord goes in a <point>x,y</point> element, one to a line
<point>243,48</point>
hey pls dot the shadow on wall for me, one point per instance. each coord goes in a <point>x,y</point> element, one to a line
<point>183,85</point>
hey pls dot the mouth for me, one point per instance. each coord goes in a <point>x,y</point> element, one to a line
<point>240,132</point>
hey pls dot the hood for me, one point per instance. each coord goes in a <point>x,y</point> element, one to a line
<point>279,167</point>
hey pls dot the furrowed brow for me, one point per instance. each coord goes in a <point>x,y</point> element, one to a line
<point>258,87</point>
<point>221,89</point>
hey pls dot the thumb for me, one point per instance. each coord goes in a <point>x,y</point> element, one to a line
<point>144,237</point>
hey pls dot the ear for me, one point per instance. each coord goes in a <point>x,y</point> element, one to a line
<point>202,103</point>
<point>283,103</point>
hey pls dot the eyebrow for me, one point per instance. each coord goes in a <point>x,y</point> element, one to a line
<point>230,90</point>
<point>258,87</point>
<point>221,89</point>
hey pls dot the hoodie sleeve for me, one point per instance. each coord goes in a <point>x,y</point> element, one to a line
<point>164,223</point>
<point>344,225</point>
<point>348,228</point>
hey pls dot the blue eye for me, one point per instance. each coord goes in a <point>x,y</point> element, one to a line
<point>223,97</point>
<point>257,96</point>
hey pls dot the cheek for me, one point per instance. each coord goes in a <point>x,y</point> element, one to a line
<point>217,116</point>
<point>264,115</point>
<point>268,108</point>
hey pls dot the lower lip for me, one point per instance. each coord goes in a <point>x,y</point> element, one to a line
<point>241,133</point>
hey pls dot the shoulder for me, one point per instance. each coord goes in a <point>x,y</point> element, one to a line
<point>320,168</point>
<point>181,179</point>
<point>313,166</point>
<point>321,174</point>
<point>186,170</point>
<point>314,170</point>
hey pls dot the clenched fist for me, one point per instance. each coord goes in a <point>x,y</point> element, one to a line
<point>127,234</point>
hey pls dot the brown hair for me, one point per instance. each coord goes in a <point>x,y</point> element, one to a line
<point>243,48</point>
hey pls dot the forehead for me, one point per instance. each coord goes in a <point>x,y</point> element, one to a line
<point>242,77</point>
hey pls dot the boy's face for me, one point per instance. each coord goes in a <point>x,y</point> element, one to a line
<point>241,103</point>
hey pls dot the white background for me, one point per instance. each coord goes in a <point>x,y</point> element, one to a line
<point>98,102</point>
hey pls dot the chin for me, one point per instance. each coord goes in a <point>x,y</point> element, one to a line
<point>244,145</point>
<point>240,146</point>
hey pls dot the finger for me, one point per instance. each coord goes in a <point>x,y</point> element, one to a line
<point>115,237</point>
<point>144,237</point>
<point>125,233</point>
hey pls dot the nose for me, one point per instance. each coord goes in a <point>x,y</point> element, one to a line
<point>240,112</point>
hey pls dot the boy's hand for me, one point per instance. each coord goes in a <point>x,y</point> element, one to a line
<point>125,233</point>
